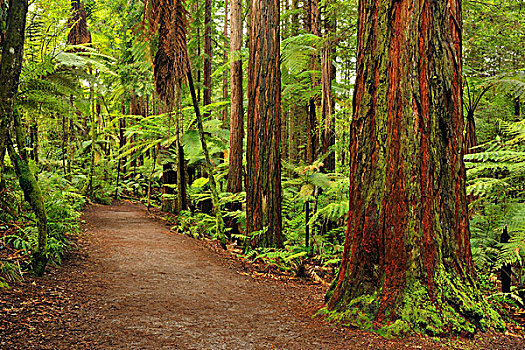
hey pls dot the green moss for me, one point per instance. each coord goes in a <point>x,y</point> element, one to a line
<point>358,313</point>
<point>457,308</point>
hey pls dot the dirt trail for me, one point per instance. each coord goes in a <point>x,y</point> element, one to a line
<point>135,285</point>
<point>169,291</point>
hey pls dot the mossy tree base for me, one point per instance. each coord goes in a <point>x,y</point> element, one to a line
<point>458,307</point>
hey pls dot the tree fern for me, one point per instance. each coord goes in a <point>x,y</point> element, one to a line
<point>297,51</point>
<point>332,212</point>
<point>511,83</point>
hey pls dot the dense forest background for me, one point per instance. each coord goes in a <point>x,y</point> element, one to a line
<point>108,108</point>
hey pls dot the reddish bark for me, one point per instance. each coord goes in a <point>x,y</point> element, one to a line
<point>225,60</point>
<point>237,113</point>
<point>408,212</point>
<point>207,55</point>
<point>78,32</point>
<point>327,99</point>
<point>263,171</point>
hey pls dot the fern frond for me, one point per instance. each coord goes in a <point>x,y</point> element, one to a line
<point>511,83</point>
<point>332,212</point>
<point>297,51</point>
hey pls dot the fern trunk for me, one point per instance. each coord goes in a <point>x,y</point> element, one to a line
<point>179,162</point>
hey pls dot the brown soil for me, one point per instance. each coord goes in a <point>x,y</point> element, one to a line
<point>134,285</point>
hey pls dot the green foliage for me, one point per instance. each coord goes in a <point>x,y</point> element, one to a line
<point>198,225</point>
<point>63,206</point>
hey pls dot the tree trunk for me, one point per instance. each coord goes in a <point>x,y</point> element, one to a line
<point>407,261</point>
<point>207,55</point>
<point>209,167</point>
<point>134,111</point>
<point>237,113</point>
<point>284,132</point>
<point>199,73</point>
<point>263,168</point>
<point>151,176</point>
<point>33,196</point>
<point>182,203</point>
<point>294,20</point>
<point>293,122</point>
<point>87,189</point>
<point>471,139</point>
<point>327,99</point>
<point>169,181</point>
<point>225,61</point>
<point>314,21</point>
<point>10,68</point>
<point>65,134</point>
<point>506,269</point>
<point>311,132</point>
<point>78,32</point>
<point>292,135</point>
<point>517,109</point>
<point>121,167</point>
<point>70,139</point>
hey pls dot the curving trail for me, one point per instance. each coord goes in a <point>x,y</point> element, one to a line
<point>134,285</point>
<point>170,291</point>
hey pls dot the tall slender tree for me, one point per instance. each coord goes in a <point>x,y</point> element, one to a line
<point>263,158</point>
<point>225,61</point>
<point>171,65</point>
<point>237,112</point>
<point>314,27</point>
<point>327,98</point>
<point>407,256</point>
<point>208,54</point>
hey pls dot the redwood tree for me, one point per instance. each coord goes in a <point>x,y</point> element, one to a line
<point>407,259</point>
<point>263,161</point>
<point>208,53</point>
<point>237,113</point>
<point>313,19</point>
<point>327,99</point>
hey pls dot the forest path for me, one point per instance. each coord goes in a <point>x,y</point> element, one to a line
<point>132,284</point>
<point>164,290</point>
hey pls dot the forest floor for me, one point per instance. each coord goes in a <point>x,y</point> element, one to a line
<point>131,284</point>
